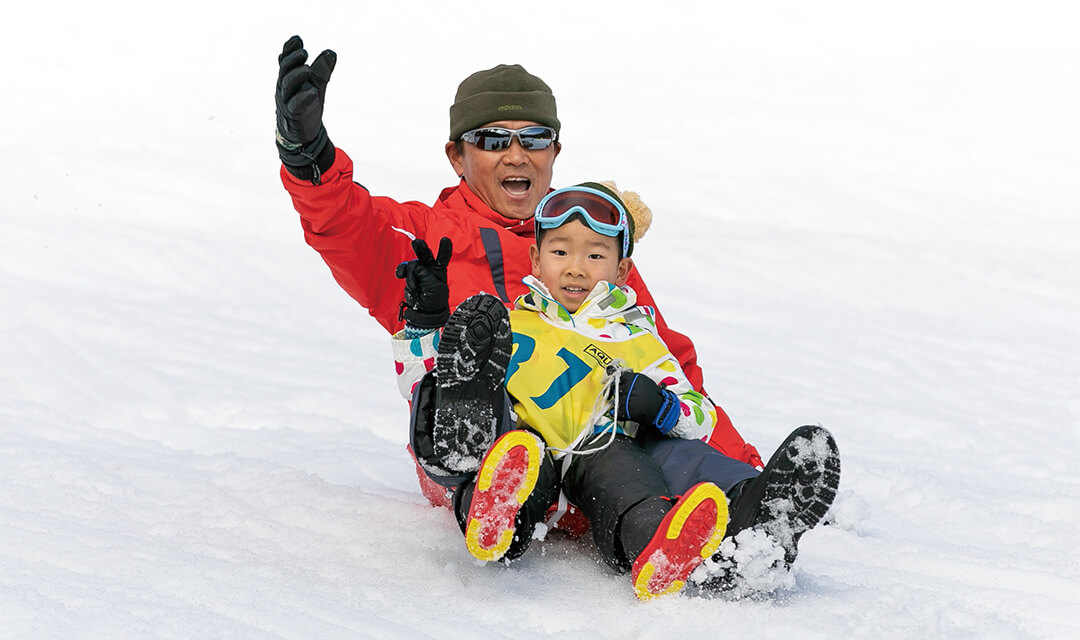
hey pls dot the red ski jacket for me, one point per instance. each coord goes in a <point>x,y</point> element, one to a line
<point>362,238</point>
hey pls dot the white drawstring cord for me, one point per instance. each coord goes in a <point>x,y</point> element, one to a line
<point>604,400</point>
<point>607,400</point>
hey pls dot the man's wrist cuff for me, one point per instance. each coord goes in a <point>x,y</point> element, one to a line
<point>310,161</point>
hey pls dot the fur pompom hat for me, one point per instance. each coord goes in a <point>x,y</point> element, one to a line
<point>639,213</point>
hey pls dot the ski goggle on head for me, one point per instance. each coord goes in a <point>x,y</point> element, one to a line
<point>601,212</point>
<point>499,138</point>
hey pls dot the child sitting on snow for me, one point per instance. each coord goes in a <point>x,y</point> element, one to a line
<point>578,339</point>
<point>588,374</point>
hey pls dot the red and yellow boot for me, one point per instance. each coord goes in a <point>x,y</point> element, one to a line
<point>506,479</point>
<point>688,535</point>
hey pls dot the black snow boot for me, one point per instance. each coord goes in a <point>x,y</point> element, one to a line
<point>790,496</point>
<point>471,405</point>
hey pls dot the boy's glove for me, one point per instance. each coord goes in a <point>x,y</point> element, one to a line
<point>301,90</point>
<point>645,402</point>
<point>427,296</point>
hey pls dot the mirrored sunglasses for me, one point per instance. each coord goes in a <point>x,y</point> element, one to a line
<point>499,138</point>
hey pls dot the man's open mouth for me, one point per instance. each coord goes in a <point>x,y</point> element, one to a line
<point>517,186</point>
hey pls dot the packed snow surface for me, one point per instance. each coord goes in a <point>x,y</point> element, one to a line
<point>866,216</point>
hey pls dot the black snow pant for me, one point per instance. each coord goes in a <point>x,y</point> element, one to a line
<point>622,492</point>
<point>685,463</point>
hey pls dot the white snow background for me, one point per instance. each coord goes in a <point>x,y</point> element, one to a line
<point>867,217</point>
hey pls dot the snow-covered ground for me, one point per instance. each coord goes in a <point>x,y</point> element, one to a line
<point>200,434</point>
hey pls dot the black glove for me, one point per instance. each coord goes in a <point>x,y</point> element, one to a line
<point>427,296</point>
<point>645,402</point>
<point>302,144</point>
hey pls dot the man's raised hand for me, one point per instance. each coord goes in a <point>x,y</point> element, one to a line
<point>299,97</point>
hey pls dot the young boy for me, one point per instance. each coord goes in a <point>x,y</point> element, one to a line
<point>590,382</point>
<point>568,331</point>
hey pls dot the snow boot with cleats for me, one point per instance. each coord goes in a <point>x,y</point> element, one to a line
<point>505,481</point>
<point>790,496</point>
<point>688,535</point>
<point>470,396</point>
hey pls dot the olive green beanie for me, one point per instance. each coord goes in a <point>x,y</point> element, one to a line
<point>504,92</point>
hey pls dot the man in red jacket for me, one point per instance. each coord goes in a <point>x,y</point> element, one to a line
<point>503,144</point>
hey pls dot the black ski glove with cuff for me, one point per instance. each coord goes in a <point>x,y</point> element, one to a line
<point>645,402</point>
<point>302,144</point>
<point>427,295</point>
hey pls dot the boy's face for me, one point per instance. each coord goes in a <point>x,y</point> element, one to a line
<point>572,258</point>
